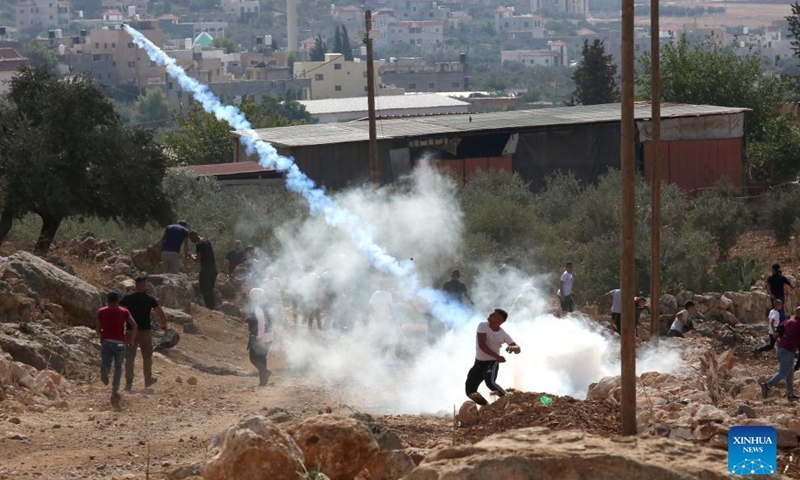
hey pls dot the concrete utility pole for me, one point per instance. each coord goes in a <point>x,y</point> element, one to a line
<point>374,173</point>
<point>627,337</point>
<point>655,177</point>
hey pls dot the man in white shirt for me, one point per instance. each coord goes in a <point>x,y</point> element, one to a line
<point>565,290</point>
<point>489,339</point>
<point>615,297</point>
<point>773,319</point>
<point>683,321</point>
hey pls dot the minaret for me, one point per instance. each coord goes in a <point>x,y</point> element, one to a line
<point>291,26</point>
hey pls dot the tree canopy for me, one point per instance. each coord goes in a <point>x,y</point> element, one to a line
<point>64,153</point>
<point>317,53</point>
<point>596,76</point>
<point>708,73</point>
<point>151,109</point>
<point>41,58</point>
<point>794,27</point>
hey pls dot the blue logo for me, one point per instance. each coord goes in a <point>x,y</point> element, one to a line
<point>752,450</point>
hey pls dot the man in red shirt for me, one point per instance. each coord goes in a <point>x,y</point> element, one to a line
<point>111,321</point>
<point>788,341</point>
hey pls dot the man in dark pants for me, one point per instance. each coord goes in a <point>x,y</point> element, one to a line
<point>208,268</point>
<point>776,287</point>
<point>565,290</point>
<point>141,304</point>
<point>260,325</point>
<point>489,339</point>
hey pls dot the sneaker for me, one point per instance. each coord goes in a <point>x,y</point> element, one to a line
<point>150,381</point>
<point>104,378</point>
<point>764,390</point>
<point>263,379</point>
<point>128,387</point>
<point>793,398</point>
<point>478,398</point>
<point>115,398</point>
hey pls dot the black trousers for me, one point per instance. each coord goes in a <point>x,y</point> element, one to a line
<point>770,345</point>
<point>208,280</point>
<point>675,333</point>
<point>483,371</point>
<point>259,359</point>
<point>568,304</point>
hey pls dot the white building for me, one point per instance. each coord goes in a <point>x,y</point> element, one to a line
<point>337,78</point>
<point>425,35</point>
<point>555,56</point>
<point>578,8</point>
<point>505,21</point>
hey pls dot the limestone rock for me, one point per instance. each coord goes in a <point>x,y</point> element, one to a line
<point>231,310</point>
<point>725,362</point>
<point>786,438</point>
<point>749,412</point>
<point>340,446</point>
<point>177,317</point>
<point>601,390</point>
<point>253,449</point>
<point>539,454</point>
<point>147,260</point>
<point>79,299</point>
<point>468,414</point>
<point>390,465</point>
<point>667,305</point>
<point>173,290</point>
<point>165,339</point>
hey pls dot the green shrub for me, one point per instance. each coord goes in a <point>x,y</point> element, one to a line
<point>724,216</point>
<point>779,212</point>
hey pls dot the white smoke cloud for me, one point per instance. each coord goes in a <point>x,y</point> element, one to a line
<point>331,262</point>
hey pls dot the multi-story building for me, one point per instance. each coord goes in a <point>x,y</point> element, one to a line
<point>418,76</point>
<point>114,59</point>
<point>337,78</point>
<point>425,35</point>
<point>42,14</point>
<point>506,22</point>
<point>577,8</point>
<point>419,10</point>
<point>241,9</point>
<point>555,56</point>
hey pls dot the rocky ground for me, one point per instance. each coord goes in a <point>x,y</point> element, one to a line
<point>205,416</point>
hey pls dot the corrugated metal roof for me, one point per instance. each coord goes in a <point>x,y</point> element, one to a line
<point>328,134</point>
<point>387,102</point>
<point>222,169</point>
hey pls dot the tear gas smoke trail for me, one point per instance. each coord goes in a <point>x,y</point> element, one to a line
<point>319,203</point>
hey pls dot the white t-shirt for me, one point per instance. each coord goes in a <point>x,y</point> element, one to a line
<point>494,340</point>
<point>264,326</point>
<point>616,301</point>
<point>566,277</point>
<point>381,303</point>
<point>680,320</point>
<point>774,319</point>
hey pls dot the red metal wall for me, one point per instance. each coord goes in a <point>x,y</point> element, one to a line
<point>693,164</point>
<point>463,169</point>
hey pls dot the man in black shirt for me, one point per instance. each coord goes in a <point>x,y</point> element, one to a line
<point>208,268</point>
<point>141,304</point>
<point>234,258</point>
<point>455,290</point>
<point>776,284</point>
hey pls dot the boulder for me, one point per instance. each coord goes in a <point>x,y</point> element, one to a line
<point>340,446</point>
<point>468,414</point>
<point>191,328</point>
<point>231,310</point>
<point>667,305</point>
<point>712,305</point>
<point>147,260</point>
<point>725,362</point>
<point>173,290</point>
<point>602,389</point>
<point>31,352</point>
<point>541,454</point>
<point>165,339</point>
<point>749,412</point>
<point>730,318</point>
<point>750,307</point>
<point>79,299</point>
<point>253,449</point>
<point>786,438</point>
<point>177,317</point>
<point>390,465</point>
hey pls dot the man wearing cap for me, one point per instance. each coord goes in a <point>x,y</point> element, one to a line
<point>111,321</point>
<point>776,286</point>
<point>141,304</point>
<point>175,236</point>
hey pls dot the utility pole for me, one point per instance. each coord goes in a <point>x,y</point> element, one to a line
<point>627,338</point>
<point>655,177</point>
<point>374,173</point>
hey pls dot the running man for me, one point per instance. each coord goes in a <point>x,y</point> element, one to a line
<point>788,341</point>
<point>489,339</point>
<point>260,324</point>
<point>773,320</point>
<point>111,321</point>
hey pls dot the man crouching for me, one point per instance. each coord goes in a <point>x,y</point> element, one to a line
<point>489,339</point>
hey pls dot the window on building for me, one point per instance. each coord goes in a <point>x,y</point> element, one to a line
<point>506,24</point>
<point>366,89</point>
<point>113,45</point>
<point>456,84</point>
<point>152,63</point>
<point>97,46</point>
<point>97,58</point>
<point>365,74</point>
<point>338,88</point>
<point>169,86</point>
<point>431,85</point>
<point>180,94</point>
<point>319,77</point>
<point>131,64</point>
<point>412,86</point>
<point>419,41</point>
<point>337,66</point>
<point>526,24</point>
<point>130,45</point>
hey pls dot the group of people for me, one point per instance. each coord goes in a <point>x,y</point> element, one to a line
<point>124,326</point>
